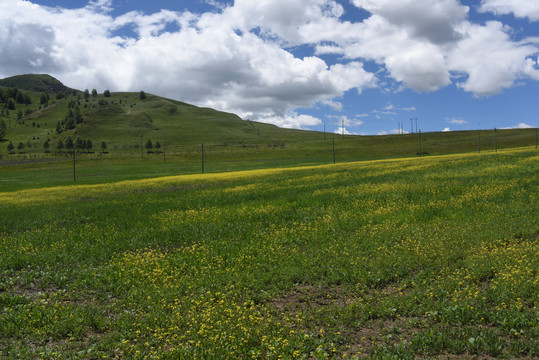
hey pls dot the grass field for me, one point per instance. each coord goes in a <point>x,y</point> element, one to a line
<point>432,257</point>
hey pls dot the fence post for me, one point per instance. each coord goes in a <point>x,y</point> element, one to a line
<point>419,142</point>
<point>333,150</point>
<point>479,142</point>
<point>203,158</point>
<point>495,141</point>
<point>74,174</point>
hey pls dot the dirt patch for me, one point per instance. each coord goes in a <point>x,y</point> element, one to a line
<point>380,332</point>
<point>304,297</point>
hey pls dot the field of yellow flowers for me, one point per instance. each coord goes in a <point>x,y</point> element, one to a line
<point>433,257</point>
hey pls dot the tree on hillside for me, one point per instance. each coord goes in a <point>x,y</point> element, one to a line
<point>20,98</point>
<point>44,98</point>
<point>11,104</point>
<point>94,93</point>
<point>106,93</point>
<point>148,145</point>
<point>77,115</point>
<point>20,146</point>
<point>103,146</point>
<point>59,144</point>
<point>69,143</point>
<point>10,147</point>
<point>19,114</point>
<point>86,94</point>
<point>3,129</point>
<point>79,143</point>
<point>142,95</point>
<point>46,145</point>
<point>157,145</point>
<point>88,145</point>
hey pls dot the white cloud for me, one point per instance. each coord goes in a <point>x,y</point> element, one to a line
<point>457,121</point>
<point>291,120</point>
<point>429,19</point>
<point>335,105</point>
<point>236,59</point>
<point>206,62</point>
<point>341,130</point>
<point>520,126</point>
<point>490,59</point>
<point>520,8</point>
<point>446,129</point>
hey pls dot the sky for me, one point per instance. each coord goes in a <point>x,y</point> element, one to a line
<point>347,66</point>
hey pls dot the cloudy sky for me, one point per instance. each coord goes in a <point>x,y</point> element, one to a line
<point>368,64</point>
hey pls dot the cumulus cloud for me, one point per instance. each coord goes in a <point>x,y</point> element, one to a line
<point>233,60</point>
<point>520,8</point>
<point>490,60</point>
<point>423,43</point>
<point>341,131</point>
<point>429,19</point>
<point>238,57</point>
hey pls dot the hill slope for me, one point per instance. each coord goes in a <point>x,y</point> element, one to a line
<point>36,83</point>
<point>124,120</point>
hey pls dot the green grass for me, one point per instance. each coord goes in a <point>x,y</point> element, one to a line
<point>402,258</point>
<point>35,83</point>
<point>123,120</point>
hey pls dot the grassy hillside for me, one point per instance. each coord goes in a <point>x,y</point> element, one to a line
<point>124,120</point>
<point>36,83</point>
<point>395,259</point>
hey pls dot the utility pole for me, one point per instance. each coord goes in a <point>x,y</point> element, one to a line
<point>412,124</point>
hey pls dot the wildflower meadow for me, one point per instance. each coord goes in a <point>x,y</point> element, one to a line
<point>433,257</point>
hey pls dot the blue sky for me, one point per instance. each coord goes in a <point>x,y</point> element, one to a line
<point>368,64</point>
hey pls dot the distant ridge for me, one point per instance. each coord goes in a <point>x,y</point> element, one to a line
<point>35,82</point>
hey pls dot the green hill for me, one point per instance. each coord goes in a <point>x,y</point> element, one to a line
<point>36,83</point>
<point>125,120</point>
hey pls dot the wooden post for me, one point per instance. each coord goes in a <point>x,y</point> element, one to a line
<point>495,141</point>
<point>334,150</point>
<point>74,173</point>
<point>419,142</point>
<point>203,158</point>
<point>479,142</point>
